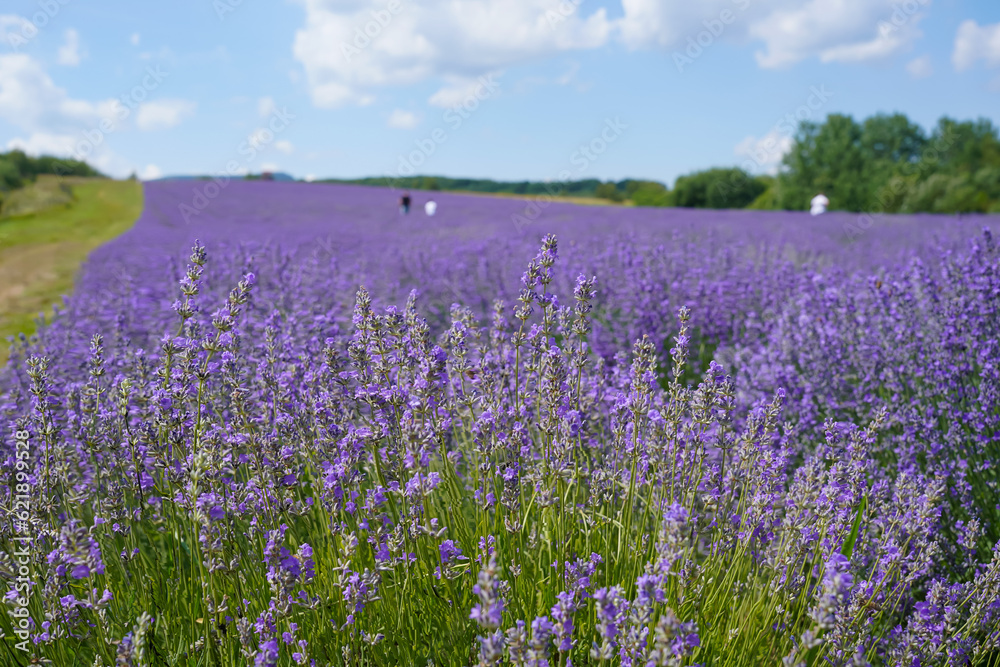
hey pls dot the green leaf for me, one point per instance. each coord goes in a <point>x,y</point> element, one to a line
<point>848,548</point>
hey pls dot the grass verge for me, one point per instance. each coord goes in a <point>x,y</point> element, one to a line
<point>41,252</point>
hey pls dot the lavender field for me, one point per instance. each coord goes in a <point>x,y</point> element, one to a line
<point>296,428</point>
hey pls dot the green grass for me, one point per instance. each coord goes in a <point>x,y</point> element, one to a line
<point>40,253</point>
<point>45,193</point>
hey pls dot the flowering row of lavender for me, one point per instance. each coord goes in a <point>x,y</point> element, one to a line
<point>326,435</point>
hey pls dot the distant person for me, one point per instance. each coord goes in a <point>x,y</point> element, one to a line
<point>430,207</point>
<point>404,203</point>
<point>818,204</point>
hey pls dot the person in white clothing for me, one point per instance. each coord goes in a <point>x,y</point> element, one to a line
<point>819,204</point>
<point>430,207</point>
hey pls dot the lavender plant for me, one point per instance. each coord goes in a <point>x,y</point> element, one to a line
<point>269,464</point>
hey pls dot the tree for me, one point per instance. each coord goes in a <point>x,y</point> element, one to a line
<point>734,188</point>
<point>892,139</point>
<point>717,188</point>
<point>10,176</point>
<point>889,164</point>
<point>609,191</point>
<point>648,193</point>
<point>768,199</point>
<point>18,169</point>
<point>827,158</point>
<point>965,147</point>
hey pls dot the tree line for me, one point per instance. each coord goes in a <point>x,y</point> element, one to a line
<point>18,169</point>
<point>886,163</point>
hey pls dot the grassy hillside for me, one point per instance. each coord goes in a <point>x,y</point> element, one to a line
<point>41,251</point>
<point>45,193</point>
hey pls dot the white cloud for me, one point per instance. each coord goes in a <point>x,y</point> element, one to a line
<point>836,31</point>
<point>464,90</point>
<point>403,120</point>
<point>31,101</point>
<point>438,38</point>
<point>269,166</point>
<point>881,46</point>
<point>69,53</point>
<point>73,146</point>
<point>454,92</point>
<point>791,30</point>
<point>920,68</point>
<point>54,123</point>
<point>284,146</point>
<point>310,178</point>
<point>44,143</point>
<point>764,154</point>
<point>134,39</point>
<point>266,106</point>
<point>668,23</point>
<point>163,114</point>
<point>974,42</point>
<point>150,172</point>
<point>351,50</point>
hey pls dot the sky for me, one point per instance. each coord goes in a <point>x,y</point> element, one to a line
<point>503,89</point>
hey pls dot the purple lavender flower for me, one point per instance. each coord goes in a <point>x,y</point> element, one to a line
<point>488,613</point>
<point>450,552</point>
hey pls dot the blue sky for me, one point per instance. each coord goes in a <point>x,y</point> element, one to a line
<point>506,89</point>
